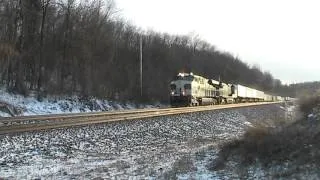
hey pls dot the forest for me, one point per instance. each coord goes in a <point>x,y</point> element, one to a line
<point>55,47</point>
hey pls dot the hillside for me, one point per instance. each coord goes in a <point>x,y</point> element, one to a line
<point>87,49</point>
<point>289,150</point>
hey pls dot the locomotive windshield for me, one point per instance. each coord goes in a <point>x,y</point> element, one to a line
<point>173,86</point>
<point>187,86</point>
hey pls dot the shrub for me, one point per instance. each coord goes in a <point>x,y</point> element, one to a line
<point>297,143</point>
<point>308,103</point>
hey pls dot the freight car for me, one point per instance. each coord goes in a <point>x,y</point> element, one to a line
<point>188,89</point>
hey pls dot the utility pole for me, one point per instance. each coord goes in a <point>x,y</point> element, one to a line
<point>141,65</point>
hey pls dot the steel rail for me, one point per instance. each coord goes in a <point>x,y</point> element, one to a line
<point>78,115</point>
<point>14,125</point>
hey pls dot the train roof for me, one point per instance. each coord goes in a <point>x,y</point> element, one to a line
<point>191,75</point>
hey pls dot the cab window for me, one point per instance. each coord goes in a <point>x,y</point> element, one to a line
<point>172,86</point>
<point>187,86</point>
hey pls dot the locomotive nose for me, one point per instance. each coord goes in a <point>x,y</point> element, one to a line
<point>182,93</point>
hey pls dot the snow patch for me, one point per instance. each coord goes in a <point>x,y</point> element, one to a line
<point>3,114</point>
<point>59,105</point>
<point>248,123</point>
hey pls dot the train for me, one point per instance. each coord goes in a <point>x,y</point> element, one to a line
<point>188,89</point>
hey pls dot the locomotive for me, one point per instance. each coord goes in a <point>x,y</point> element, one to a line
<point>188,89</point>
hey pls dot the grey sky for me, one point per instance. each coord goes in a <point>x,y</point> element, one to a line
<point>281,36</point>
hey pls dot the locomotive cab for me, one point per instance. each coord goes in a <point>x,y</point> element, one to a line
<point>181,90</point>
<point>191,90</point>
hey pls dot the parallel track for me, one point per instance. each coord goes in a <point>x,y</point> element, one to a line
<point>36,123</point>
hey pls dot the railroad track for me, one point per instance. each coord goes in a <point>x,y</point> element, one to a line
<point>36,123</point>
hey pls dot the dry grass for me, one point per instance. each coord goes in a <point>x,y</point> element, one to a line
<point>293,143</point>
<point>297,143</point>
<point>306,104</point>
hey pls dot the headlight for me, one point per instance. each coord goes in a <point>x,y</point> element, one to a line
<point>172,93</point>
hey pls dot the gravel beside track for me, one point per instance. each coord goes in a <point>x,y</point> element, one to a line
<point>132,149</point>
<point>36,123</point>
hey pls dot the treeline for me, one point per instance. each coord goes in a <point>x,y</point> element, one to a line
<point>72,47</point>
<point>306,89</point>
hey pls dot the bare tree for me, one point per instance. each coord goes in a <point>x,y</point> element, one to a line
<point>41,69</point>
<point>69,46</point>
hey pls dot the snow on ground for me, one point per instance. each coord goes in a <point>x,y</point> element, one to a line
<point>232,169</point>
<point>3,114</point>
<point>58,105</point>
<point>137,149</point>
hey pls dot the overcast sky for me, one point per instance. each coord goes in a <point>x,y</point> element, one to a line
<point>281,36</point>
